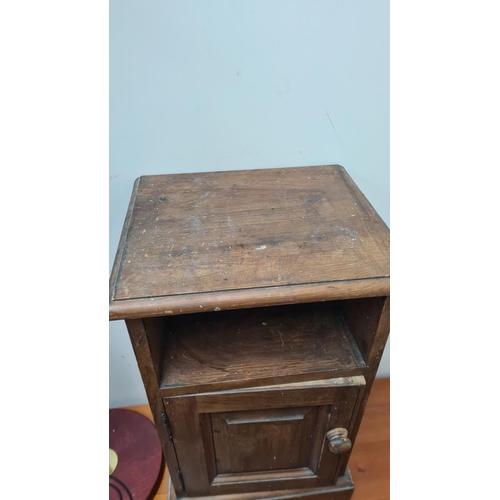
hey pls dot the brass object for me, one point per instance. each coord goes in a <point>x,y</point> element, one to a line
<point>338,442</point>
<point>113,461</point>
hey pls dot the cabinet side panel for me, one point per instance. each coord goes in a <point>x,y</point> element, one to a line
<point>140,344</point>
<point>375,356</point>
<point>155,332</point>
<point>362,317</point>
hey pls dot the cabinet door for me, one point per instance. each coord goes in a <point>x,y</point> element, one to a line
<point>266,438</point>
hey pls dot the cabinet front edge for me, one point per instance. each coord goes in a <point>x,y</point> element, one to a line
<point>247,298</point>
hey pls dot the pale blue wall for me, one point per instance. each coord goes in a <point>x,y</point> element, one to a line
<point>233,84</point>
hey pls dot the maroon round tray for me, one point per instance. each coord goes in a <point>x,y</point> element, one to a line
<point>140,461</point>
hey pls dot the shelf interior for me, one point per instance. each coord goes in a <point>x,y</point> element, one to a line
<point>296,342</point>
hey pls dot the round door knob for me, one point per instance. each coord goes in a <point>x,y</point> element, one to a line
<point>338,442</point>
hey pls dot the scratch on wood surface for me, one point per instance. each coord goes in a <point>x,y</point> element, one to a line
<point>281,337</point>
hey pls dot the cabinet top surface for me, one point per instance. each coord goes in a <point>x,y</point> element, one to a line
<point>222,240</point>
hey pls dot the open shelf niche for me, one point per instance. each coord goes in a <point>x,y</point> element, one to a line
<point>259,346</point>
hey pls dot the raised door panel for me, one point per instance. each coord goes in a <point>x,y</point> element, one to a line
<point>251,441</point>
<point>267,438</point>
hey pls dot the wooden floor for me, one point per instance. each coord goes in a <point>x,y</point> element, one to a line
<point>369,462</point>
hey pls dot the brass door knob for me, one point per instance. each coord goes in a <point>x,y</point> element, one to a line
<point>338,442</point>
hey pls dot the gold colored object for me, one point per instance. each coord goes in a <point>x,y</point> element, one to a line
<point>338,442</point>
<point>113,461</point>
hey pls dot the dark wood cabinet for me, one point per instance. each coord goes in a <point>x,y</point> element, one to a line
<point>257,303</point>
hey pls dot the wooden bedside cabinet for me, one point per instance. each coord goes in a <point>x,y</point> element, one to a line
<point>257,303</point>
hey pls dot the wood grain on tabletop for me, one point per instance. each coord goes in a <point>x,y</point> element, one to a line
<point>370,460</point>
<point>197,241</point>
